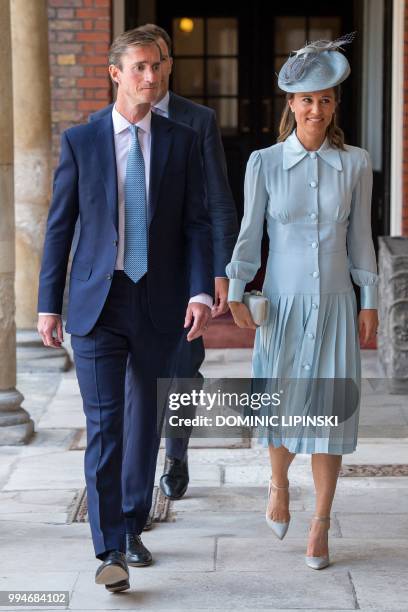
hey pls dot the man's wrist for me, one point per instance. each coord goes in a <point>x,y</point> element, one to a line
<point>202,298</point>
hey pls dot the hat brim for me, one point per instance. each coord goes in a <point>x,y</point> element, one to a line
<point>313,80</point>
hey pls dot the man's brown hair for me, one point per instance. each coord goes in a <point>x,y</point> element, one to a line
<point>157,32</point>
<point>131,38</point>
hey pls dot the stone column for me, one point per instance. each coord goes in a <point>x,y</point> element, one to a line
<point>393,311</point>
<point>32,149</point>
<point>16,426</point>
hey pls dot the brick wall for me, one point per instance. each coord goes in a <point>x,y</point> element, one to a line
<point>405,128</point>
<point>79,39</point>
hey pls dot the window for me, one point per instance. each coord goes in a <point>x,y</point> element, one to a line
<point>206,65</point>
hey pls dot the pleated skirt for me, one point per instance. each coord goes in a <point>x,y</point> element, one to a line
<point>309,349</point>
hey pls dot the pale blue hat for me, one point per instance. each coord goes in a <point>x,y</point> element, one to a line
<point>318,65</point>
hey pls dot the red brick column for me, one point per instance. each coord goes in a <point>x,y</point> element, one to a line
<point>79,39</point>
<point>405,129</point>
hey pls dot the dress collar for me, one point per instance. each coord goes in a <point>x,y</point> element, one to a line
<point>294,152</point>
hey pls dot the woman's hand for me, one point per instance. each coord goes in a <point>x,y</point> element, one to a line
<point>367,324</point>
<point>241,314</point>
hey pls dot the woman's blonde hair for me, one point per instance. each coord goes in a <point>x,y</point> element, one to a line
<point>287,124</point>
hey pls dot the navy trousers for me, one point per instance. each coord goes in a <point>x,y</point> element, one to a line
<point>189,359</point>
<point>119,470</point>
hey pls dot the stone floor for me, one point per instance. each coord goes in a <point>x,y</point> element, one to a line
<point>217,552</point>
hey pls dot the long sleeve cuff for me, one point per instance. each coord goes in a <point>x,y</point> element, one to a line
<point>236,290</point>
<point>202,298</point>
<point>369,296</point>
<point>54,314</point>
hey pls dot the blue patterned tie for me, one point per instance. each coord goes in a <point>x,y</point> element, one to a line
<point>135,261</point>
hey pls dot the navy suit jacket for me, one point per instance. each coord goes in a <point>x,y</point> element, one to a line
<point>221,206</point>
<point>85,185</point>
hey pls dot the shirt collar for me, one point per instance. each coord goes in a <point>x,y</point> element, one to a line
<point>163,104</point>
<point>294,152</point>
<point>120,123</point>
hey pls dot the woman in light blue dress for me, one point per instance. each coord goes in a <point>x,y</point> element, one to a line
<point>315,194</point>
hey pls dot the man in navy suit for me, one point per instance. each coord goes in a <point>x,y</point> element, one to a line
<point>224,223</point>
<point>142,269</point>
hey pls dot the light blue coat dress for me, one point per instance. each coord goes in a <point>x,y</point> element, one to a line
<point>317,206</point>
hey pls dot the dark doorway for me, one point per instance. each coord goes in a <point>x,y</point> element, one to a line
<point>229,60</point>
<point>227,55</point>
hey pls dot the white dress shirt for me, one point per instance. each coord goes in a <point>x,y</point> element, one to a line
<point>162,106</point>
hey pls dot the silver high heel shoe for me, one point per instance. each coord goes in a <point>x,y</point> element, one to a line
<point>319,563</point>
<point>278,527</point>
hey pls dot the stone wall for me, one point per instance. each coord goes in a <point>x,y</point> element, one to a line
<point>79,39</point>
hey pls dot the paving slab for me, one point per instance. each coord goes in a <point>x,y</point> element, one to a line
<point>381,590</point>
<point>62,533</point>
<point>203,475</point>
<point>53,470</point>
<point>379,450</point>
<point>225,456</point>
<point>364,482</point>
<point>217,591</point>
<point>393,501</point>
<point>45,441</point>
<point>372,525</point>
<point>51,554</point>
<point>245,554</point>
<point>381,401</point>
<point>258,474</point>
<point>9,459</point>
<point>231,499</point>
<point>37,581</point>
<point>48,506</point>
<point>241,524</point>
<point>376,416</point>
<point>56,550</point>
<point>63,414</point>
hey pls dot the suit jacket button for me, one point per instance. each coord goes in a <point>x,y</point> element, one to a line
<point>109,276</point>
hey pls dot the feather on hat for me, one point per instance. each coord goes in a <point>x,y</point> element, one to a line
<point>318,65</point>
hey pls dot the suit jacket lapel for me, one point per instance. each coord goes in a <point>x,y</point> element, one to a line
<point>160,148</point>
<point>105,146</point>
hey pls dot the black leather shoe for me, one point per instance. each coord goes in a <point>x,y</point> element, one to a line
<point>148,524</point>
<point>113,572</point>
<point>174,481</point>
<point>137,554</point>
<point>122,585</point>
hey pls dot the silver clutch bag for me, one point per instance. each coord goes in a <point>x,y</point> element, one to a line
<point>258,306</point>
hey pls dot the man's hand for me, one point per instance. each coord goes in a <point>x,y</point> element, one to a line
<point>221,294</point>
<point>47,324</point>
<point>241,314</point>
<point>198,316</point>
<point>367,324</point>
